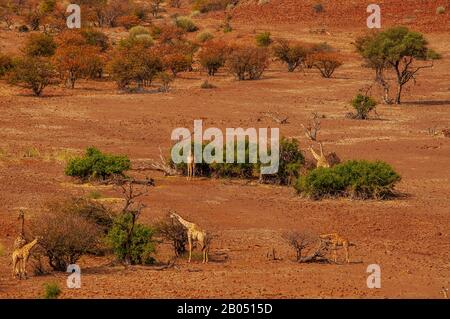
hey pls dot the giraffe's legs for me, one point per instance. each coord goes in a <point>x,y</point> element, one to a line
<point>335,253</point>
<point>14,266</point>
<point>346,253</point>
<point>190,248</point>
<point>24,266</point>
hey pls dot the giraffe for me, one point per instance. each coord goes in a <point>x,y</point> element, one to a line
<point>191,165</point>
<point>194,233</point>
<point>337,241</point>
<point>321,159</point>
<point>20,258</point>
<point>20,240</point>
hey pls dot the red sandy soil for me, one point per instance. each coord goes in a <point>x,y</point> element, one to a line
<point>339,14</point>
<point>409,237</point>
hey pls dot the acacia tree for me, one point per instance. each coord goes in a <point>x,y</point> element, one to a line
<point>34,73</point>
<point>75,58</point>
<point>136,64</point>
<point>291,53</point>
<point>397,49</point>
<point>213,56</point>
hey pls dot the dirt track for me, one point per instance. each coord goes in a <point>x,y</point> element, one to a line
<point>408,237</point>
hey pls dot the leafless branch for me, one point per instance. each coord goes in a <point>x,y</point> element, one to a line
<point>313,127</point>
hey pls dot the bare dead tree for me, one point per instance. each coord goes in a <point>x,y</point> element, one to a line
<point>173,232</point>
<point>299,241</point>
<point>308,247</point>
<point>162,165</point>
<point>312,127</point>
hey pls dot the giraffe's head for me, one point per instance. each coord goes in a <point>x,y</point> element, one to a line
<point>173,214</point>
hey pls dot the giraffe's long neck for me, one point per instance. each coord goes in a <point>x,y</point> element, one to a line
<point>30,245</point>
<point>185,223</point>
<point>22,228</point>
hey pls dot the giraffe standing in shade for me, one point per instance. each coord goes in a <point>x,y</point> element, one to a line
<point>194,233</point>
<point>20,258</point>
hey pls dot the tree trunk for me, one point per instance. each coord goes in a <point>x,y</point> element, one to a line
<point>399,94</point>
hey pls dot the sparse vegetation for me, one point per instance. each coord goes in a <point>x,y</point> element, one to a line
<point>318,8</point>
<point>174,233</point>
<point>291,53</point>
<point>363,105</point>
<point>397,49</point>
<point>33,73</point>
<point>75,58</point>
<point>52,291</point>
<point>186,24</point>
<point>326,63</point>
<point>263,39</point>
<point>356,179</point>
<point>137,65</point>
<point>131,242</point>
<point>68,231</point>
<point>212,5</point>
<point>97,165</point>
<point>6,64</point>
<point>204,37</point>
<point>247,63</point>
<point>40,45</point>
<point>213,56</point>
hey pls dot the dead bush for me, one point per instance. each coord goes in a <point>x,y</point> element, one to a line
<point>308,246</point>
<point>174,233</point>
<point>247,62</point>
<point>66,234</point>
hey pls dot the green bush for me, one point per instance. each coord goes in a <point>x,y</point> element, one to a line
<point>52,291</point>
<point>186,24</point>
<point>363,105</point>
<point>204,37</point>
<point>138,30</point>
<point>140,248</point>
<point>34,73</point>
<point>40,45</point>
<point>97,165</point>
<point>357,179</point>
<point>263,39</point>
<point>96,38</point>
<point>291,160</point>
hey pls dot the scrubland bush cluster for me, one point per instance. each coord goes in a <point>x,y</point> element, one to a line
<point>147,53</point>
<point>291,160</point>
<point>97,165</point>
<point>356,179</point>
